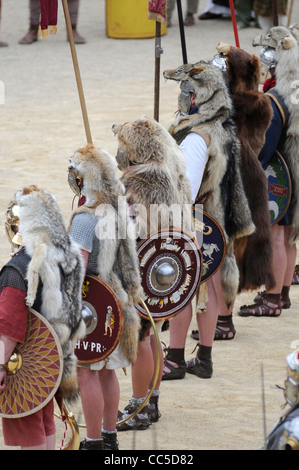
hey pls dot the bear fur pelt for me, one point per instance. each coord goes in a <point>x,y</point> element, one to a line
<point>155,176</point>
<point>253,114</point>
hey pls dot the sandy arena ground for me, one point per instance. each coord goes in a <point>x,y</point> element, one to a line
<point>41,125</point>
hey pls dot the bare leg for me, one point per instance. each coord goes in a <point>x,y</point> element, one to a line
<point>92,401</point>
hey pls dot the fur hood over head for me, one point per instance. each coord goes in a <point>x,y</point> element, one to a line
<point>154,175</point>
<point>253,114</point>
<point>222,181</point>
<point>285,42</point>
<point>117,258</point>
<point>56,262</point>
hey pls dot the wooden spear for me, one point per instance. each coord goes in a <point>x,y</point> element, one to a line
<point>158,52</point>
<point>290,12</point>
<point>76,69</point>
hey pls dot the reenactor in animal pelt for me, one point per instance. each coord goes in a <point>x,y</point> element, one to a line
<point>207,134</point>
<point>112,257</point>
<point>253,114</point>
<point>46,274</point>
<point>154,174</point>
<point>282,136</point>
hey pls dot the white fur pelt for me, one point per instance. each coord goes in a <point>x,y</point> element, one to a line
<point>117,258</point>
<point>285,41</point>
<point>56,262</point>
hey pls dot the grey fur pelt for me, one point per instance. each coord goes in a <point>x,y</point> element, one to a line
<point>285,41</point>
<point>117,259</point>
<point>55,261</point>
<point>222,181</point>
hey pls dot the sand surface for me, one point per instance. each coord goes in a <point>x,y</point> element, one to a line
<point>41,125</point>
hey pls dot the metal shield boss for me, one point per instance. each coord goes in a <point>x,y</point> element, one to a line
<point>103,316</point>
<point>210,237</point>
<point>34,370</point>
<point>170,264</point>
<point>279,187</point>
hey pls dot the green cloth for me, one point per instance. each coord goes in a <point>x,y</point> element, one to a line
<point>264,7</point>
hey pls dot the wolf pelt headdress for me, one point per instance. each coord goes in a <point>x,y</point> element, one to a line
<point>222,187</point>
<point>117,259</point>
<point>253,114</point>
<point>285,41</point>
<point>56,262</point>
<point>155,174</point>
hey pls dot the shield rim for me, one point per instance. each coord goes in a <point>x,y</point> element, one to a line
<point>121,322</point>
<point>285,166</point>
<point>209,216</point>
<point>157,317</point>
<point>55,388</point>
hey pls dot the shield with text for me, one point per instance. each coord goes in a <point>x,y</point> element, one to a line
<point>103,316</point>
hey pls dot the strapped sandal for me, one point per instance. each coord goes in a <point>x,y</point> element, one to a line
<point>175,372</point>
<point>201,367</point>
<point>262,308</point>
<point>225,329</point>
<point>295,279</point>
<point>285,303</point>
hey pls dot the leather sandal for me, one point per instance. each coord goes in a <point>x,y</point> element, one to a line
<point>262,308</point>
<point>295,279</point>
<point>225,329</point>
<point>285,303</point>
<point>175,372</point>
<point>201,367</point>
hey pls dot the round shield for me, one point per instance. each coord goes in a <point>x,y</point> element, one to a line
<point>279,187</point>
<point>34,370</point>
<point>170,265</point>
<point>210,237</point>
<point>103,316</point>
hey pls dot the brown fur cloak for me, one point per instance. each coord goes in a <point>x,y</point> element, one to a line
<point>253,114</point>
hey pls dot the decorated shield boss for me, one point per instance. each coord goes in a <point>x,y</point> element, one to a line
<point>103,316</point>
<point>170,265</point>
<point>34,370</point>
<point>210,237</point>
<point>279,187</point>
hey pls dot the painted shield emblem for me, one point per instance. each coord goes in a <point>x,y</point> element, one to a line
<point>34,370</point>
<point>170,265</point>
<point>279,187</point>
<point>103,316</point>
<point>210,238</point>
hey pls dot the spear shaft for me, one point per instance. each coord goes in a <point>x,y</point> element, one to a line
<point>76,69</point>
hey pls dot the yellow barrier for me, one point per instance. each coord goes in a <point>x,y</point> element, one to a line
<point>128,19</point>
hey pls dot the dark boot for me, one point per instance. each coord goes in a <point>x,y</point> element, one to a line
<point>110,440</point>
<point>153,407</point>
<point>201,365</point>
<point>31,36</point>
<point>97,444</point>
<point>140,421</point>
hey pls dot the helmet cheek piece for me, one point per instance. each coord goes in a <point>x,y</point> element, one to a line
<point>75,182</point>
<point>11,225</point>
